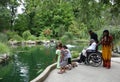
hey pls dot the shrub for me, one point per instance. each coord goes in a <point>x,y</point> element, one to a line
<point>47,32</point>
<point>32,37</point>
<point>17,37</point>
<point>83,31</point>
<point>64,39</point>
<point>42,37</point>
<point>69,34</point>
<point>75,54</point>
<point>4,48</point>
<point>26,34</point>
<point>10,34</point>
<point>67,38</point>
<point>3,38</point>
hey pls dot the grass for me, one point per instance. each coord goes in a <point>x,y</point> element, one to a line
<point>4,48</point>
<point>75,54</point>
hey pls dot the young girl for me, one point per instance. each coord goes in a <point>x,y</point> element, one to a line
<point>58,53</point>
<point>63,60</point>
<point>68,53</point>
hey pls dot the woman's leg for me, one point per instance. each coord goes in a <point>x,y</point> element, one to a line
<point>104,56</point>
<point>108,64</point>
<point>106,53</point>
<point>109,57</point>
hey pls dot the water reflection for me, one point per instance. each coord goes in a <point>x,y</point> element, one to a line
<point>21,68</point>
<point>27,63</point>
<point>24,73</point>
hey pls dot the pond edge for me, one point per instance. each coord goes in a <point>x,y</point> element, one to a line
<point>46,72</point>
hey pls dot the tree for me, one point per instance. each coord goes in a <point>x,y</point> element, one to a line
<point>20,24</point>
<point>13,4</point>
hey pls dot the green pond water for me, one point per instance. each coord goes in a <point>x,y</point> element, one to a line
<point>26,63</point>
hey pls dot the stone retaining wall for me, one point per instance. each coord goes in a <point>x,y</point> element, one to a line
<point>44,74</point>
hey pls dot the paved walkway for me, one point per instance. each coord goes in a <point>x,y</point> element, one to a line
<point>84,73</point>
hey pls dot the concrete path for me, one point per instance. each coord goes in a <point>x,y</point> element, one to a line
<point>84,73</point>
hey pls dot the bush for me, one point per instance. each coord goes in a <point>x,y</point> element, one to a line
<point>70,35</point>
<point>42,37</point>
<point>75,54</point>
<point>11,34</point>
<point>14,36</point>
<point>32,37</point>
<point>17,37</point>
<point>83,31</point>
<point>64,39</point>
<point>67,38</point>
<point>4,48</point>
<point>26,34</point>
<point>3,38</point>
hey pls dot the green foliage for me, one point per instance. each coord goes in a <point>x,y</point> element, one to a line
<point>70,35</point>
<point>67,38</point>
<point>3,38</point>
<point>42,37</point>
<point>78,30</point>
<point>83,31</point>
<point>99,33</point>
<point>58,17</point>
<point>4,48</point>
<point>4,18</point>
<point>75,54</point>
<point>17,37</point>
<point>51,14</point>
<point>32,37</point>
<point>26,34</point>
<point>21,24</point>
<point>5,70</point>
<point>3,2</point>
<point>10,34</point>
<point>64,39</point>
<point>116,34</point>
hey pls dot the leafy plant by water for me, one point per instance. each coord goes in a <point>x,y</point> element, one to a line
<point>3,38</point>
<point>4,48</point>
<point>26,34</point>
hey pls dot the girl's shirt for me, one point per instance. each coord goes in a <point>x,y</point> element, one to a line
<point>68,53</point>
<point>58,52</point>
<point>64,54</point>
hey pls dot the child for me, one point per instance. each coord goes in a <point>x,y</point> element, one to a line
<point>58,53</point>
<point>68,53</point>
<point>63,60</point>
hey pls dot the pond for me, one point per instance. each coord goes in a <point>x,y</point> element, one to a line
<point>26,63</point>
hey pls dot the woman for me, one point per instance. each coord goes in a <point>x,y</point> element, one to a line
<point>107,46</point>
